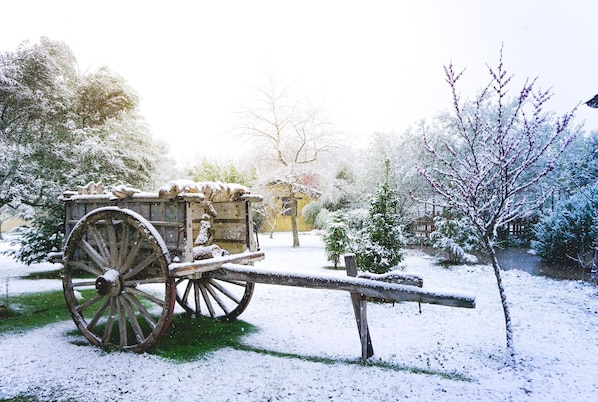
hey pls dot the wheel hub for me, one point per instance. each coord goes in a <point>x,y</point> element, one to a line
<point>109,283</point>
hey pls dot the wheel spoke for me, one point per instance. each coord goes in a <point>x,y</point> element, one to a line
<point>232,282</point>
<point>145,295</point>
<point>101,244</point>
<point>95,256</point>
<point>196,288</point>
<point>146,315</point>
<point>187,290</point>
<point>132,319</point>
<point>90,302</point>
<point>123,247</point>
<point>134,282</point>
<point>145,263</point>
<point>109,322</point>
<point>81,284</point>
<point>98,315</point>
<point>132,255</point>
<point>112,243</point>
<point>85,267</point>
<point>206,298</point>
<point>217,297</point>
<point>122,324</point>
<point>225,291</point>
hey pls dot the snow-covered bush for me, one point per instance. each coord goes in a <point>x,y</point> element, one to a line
<point>322,219</point>
<point>316,214</point>
<point>378,244</point>
<point>37,240</point>
<point>454,235</point>
<point>357,218</point>
<point>337,237</point>
<point>567,233</point>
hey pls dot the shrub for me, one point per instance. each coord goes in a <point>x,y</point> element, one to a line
<point>337,238</point>
<point>568,232</point>
<point>454,235</point>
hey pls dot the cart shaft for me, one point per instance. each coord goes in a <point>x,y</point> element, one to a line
<point>185,269</point>
<point>367,287</point>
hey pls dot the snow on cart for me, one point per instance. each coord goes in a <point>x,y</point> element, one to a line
<point>129,256</point>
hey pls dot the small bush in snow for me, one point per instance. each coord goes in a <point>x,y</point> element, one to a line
<point>454,235</point>
<point>35,241</point>
<point>311,210</point>
<point>337,238</point>
<point>322,219</point>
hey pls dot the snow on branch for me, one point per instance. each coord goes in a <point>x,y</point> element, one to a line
<point>493,150</point>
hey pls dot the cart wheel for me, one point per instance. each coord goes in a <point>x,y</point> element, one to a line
<point>216,298</point>
<point>116,281</point>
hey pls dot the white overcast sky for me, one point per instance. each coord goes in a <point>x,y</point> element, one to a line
<point>374,65</point>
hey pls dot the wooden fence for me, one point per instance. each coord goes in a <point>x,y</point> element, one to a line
<point>421,227</point>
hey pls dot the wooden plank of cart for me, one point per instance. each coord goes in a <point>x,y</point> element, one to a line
<point>130,256</point>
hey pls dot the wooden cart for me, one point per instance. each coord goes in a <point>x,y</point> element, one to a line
<point>128,259</point>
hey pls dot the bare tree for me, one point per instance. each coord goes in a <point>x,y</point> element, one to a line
<point>290,138</point>
<point>497,152</point>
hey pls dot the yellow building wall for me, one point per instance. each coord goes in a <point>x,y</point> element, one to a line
<point>283,223</point>
<point>278,192</point>
<point>12,223</point>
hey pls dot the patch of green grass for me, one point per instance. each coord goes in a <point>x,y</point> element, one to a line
<point>188,338</point>
<point>32,310</point>
<point>369,363</point>
<point>21,398</point>
<point>340,267</point>
<point>55,274</point>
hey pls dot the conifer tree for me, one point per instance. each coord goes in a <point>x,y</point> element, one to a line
<point>380,241</point>
<point>337,238</point>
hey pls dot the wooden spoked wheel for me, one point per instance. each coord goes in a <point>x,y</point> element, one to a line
<point>116,281</point>
<point>220,299</point>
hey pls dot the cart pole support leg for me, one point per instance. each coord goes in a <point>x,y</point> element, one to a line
<point>360,310</point>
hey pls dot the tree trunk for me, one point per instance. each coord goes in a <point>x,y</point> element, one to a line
<point>510,355</point>
<point>594,270</point>
<point>272,231</point>
<point>294,219</point>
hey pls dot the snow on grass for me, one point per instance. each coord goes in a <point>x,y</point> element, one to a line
<point>307,347</point>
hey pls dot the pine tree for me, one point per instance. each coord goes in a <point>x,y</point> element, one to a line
<point>337,238</point>
<point>380,241</point>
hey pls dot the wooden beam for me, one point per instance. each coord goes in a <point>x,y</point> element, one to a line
<point>360,310</point>
<point>368,287</point>
<point>179,270</point>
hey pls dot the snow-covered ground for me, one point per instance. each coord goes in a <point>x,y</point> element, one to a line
<point>448,354</point>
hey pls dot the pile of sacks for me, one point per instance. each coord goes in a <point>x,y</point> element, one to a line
<point>212,191</point>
